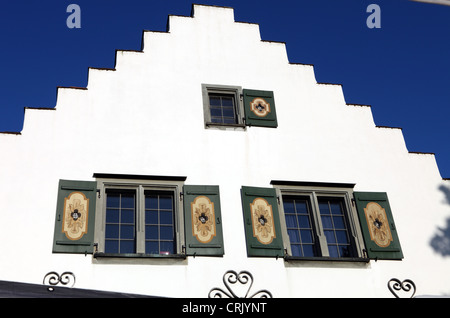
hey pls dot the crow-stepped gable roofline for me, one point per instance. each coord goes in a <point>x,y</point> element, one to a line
<point>198,11</point>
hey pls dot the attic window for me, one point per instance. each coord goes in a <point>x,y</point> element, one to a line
<point>226,107</point>
<point>222,106</point>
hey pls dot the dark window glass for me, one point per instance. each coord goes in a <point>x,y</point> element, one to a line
<point>335,227</point>
<point>297,211</point>
<point>159,222</point>
<point>222,108</point>
<point>120,227</point>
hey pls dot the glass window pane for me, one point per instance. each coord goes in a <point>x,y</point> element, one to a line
<point>294,236</point>
<point>113,201</point>
<point>222,108</point>
<point>214,101</point>
<point>291,222</point>
<point>332,249</point>
<point>296,250</point>
<point>335,207</point>
<point>330,237</point>
<point>301,207</point>
<point>228,112</point>
<point>111,246</point>
<point>151,232</point>
<point>323,207</point>
<point>339,222</point>
<point>112,231</point>
<point>166,217</point>
<point>167,248</point>
<point>112,215</point>
<point>127,216</point>
<point>303,222</point>
<point>333,216</point>
<point>216,119</point>
<point>341,237</point>
<point>308,250</point>
<point>288,206</point>
<point>165,202</point>
<point>127,246</point>
<point>306,236</point>
<point>151,202</point>
<point>152,247</point>
<point>344,251</point>
<point>151,217</point>
<point>327,223</point>
<point>216,112</point>
<point>166,233</point>
<point>227,101</point>
<point>120,222</point>
<point>159,222</point>
<point>228,120</point>
<point>127,201</point>
<point>127,231</point>
<point>299,226</point>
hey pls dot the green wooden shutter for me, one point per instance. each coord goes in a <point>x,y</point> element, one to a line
<point>378,227</point>
<point>259,108</point>
<point>203,221</point>
<point>262,222</point>
<point>75,217</point>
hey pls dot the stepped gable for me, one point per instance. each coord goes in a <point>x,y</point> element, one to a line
<point>174,25</point>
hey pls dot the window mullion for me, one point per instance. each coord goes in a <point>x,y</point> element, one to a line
<point>140,217</point>
<point>319,227</point>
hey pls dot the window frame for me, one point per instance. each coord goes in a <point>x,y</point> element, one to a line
<point>140,184</point>
<point>236,92</point>
<point>314,191</point>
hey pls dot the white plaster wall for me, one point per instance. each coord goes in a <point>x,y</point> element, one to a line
<point>146,117</point>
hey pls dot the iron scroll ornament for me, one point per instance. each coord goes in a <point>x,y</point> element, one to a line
<point>244,278</point>
<point>407,286</point>
<point>53,279</point>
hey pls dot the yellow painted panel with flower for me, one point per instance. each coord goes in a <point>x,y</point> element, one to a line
<point>377,220</point>
<point>203,219</point>
<point>262,221</point>
<point>75,216</point>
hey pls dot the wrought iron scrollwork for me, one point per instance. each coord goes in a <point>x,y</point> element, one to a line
<point>244,278</point>
<point>407,286</point>
<point>53,279</point>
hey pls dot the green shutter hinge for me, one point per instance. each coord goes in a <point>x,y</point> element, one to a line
<point>98,191</point>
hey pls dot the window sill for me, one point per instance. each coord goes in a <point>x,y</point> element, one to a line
<point>139,255</point>
<point>219,125</point>
<point>327,259</point>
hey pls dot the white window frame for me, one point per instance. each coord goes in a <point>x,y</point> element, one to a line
<point>139,184</point>
<point>236,92</point>
<point>315,190</point>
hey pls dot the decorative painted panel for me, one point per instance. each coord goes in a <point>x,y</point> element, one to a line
<point>262,221</point>
<point>75,215</point>
<point>378,226</point>
<point>203,219</point>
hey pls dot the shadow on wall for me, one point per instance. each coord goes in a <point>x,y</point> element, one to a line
<point>441,240</point>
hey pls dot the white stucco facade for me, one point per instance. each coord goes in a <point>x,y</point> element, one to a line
<point>145,117</point>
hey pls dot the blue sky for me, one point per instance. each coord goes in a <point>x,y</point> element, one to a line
<point>401,69</point>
